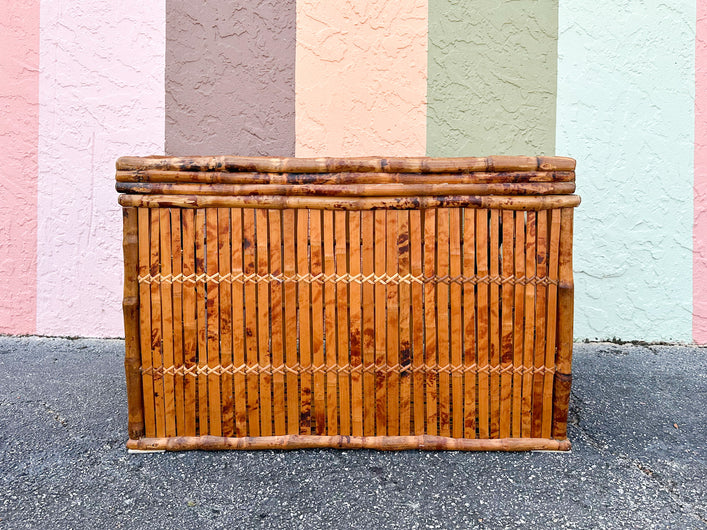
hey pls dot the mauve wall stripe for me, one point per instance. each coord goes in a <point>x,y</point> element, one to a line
<point>699,256</point>
<point>230,77</point>
<point>19,126</point>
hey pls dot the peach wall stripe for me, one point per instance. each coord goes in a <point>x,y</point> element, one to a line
<point>101,92</point>
<point>699,268</point>
<point>19,108</point>
<point>361,78</point>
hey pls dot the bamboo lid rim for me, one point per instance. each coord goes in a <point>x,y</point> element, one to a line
<point>347,164</point>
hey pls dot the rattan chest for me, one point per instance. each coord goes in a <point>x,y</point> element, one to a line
<point>400,303</point>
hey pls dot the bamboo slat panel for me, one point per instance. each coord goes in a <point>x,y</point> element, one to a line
<point>375,321</point>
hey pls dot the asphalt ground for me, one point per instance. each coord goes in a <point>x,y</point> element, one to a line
<point>638,424</point>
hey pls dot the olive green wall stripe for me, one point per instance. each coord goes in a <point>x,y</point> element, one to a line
<point>492,77</point>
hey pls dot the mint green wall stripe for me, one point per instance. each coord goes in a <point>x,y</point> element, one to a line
<point>625,111</point>
<point>492,77</point>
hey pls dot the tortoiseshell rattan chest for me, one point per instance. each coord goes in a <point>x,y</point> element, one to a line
<point>400,303</point>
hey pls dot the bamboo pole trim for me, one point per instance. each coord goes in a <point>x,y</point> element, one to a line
<point>372,368</point>
<point>279,202</point>
<point>384,279</point>
<point>325,164</point>
<point>382,443</point>
<point>395,189</point>
<point>338,178</point>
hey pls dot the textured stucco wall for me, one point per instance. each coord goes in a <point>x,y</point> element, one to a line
<point>700,204</point>
<point>230,77</point>
<point>19,122</point>
<point>361,77</point>
<point>492,77</point>
<point>101,92</point>
<point>625,112</point>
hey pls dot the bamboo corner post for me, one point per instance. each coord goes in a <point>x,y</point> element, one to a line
<point>353,303</point>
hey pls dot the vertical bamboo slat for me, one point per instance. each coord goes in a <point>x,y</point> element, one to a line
<point>189,318</point>
<point>553,269</point>
<point>494,321</point>
<point>392,324</point>
<point>156,306</point>
<point>332,414</point>
<point>380,338</point>
<point>429,255</point>
<point>355,338</point>
<point>225,321</point>
<point>146,321</point>
<point>418,322</point>
<point>455,317</point>
<point>540,320</point>
<point>565,299</point>
<point>529,338</point>
<point>167,322</point>
<point>368,317</point>
<point>405,344</point>
<point>507,323</point>
<point>263,305</point>
<point>316,241</point>
<point>276,324</point>
<point>470,331</point>
<point>482,268</point>
<point>289,260</point>
<point>239,345</point>
<point>131,318</point>
<point>251,323</point>
<point>178,322</point>
<point>202,359</point>
<point>443,320</point>
<point>342,322</point>
<point>305,322</point>
<point>212,322</point>
<point>519,324</point>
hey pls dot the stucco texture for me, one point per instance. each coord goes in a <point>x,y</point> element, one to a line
<point>625,112</point>
<point>492,77</point>
<point>19,122</point>
<point>101,92</point>
<point>361,77</point>
<point>230,70</point>
<point>700,224</point>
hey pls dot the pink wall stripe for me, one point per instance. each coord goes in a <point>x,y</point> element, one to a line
<point>361,78</point>
<point>19,108</point>
<point>101,96</point>
<point>699,281</point>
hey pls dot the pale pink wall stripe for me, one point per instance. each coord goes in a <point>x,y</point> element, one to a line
<point>19,109</point>
<point>699,278</point>
<point>101,96</point>
<point>361,78</point>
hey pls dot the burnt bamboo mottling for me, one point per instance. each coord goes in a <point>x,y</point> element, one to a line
<point>131,318</point>
<point>378,303</point>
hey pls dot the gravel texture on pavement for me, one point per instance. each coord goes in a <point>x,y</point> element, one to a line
<point>638,424</point>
